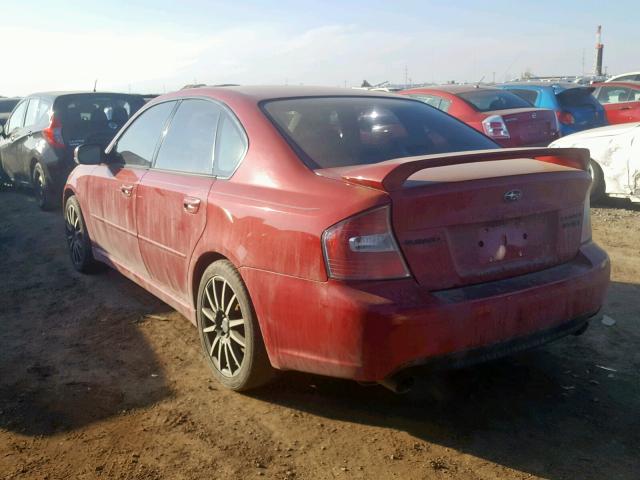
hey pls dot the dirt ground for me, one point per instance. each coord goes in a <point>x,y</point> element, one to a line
<point>98,379</point>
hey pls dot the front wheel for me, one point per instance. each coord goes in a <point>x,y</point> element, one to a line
<point>78,239</point>
<point>42,188</point>
<point>229,331</point>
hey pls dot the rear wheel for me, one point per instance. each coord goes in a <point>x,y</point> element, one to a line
<point>229,331</point>
<point>78,239</point>
<point>598,187</point>
<point>42,188</point>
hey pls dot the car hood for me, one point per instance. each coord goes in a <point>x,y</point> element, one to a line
<point>609,131</point>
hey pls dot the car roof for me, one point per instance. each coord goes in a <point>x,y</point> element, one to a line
<point>259,93</point>
<point>453,89</point>
<point>621,83</point>
<point>56,94</point>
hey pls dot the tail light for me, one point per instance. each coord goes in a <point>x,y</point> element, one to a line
<point>566,118</point>
<point>363,248</point>
<point>586,219</point>
<point>495,127</point>
<point>53,133</point>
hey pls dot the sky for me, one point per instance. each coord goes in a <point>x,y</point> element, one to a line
<point>155,46</point>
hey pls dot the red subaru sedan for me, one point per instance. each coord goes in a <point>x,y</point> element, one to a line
<point>351,234</point>
<point>501,115</point>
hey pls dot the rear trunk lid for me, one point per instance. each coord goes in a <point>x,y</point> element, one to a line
<point>529,126</point>
<point>462,219</point>
<point>585,109</point>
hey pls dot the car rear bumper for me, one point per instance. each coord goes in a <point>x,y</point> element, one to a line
<point>371,330</point>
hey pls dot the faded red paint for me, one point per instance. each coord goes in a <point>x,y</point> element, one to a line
<point>527,126</point>
<point>268,220</point>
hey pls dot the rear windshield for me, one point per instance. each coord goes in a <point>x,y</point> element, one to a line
<point>489,100</point>
<point>340,131</point>
<point>576,97</point>
<point>94,118</point>
<point>6,106</point>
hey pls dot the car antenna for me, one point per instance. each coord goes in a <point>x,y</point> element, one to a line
<point>479,82</point>
<point>95,84</point>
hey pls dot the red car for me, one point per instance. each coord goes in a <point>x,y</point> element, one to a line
<point>621,101</point>
<point>351,234</point>
<point>504,117</point>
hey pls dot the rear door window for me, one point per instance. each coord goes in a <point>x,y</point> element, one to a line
<point>37,112</point>
<point>189,143</point>
<point>17,117</point>
<point>94,118</point>
<point>138,143</point>
<point>340,131</point>
<point>485,100</point>
<point>615,95</point>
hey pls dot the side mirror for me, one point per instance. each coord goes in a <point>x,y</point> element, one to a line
<point>2,131</point>
<point>90,154</point>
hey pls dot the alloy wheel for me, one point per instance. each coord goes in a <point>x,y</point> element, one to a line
<point>39,186</point>
<point>74,234</point>
<point>223,326</point>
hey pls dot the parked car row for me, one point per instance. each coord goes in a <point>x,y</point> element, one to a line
<point>38,140</point>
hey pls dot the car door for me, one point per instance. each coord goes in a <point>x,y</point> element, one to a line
<point>113,187</point>
<point>615,101</point>
<point>13,132</point>
<point>172,197</point>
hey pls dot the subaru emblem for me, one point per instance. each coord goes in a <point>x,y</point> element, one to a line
<point>513,195</point>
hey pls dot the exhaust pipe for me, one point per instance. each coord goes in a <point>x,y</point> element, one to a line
<point>398,383</point>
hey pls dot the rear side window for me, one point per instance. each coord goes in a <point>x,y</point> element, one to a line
<point>17,117</point>
<point>231,145</point>
<point>189,142</point>
<point>94,118</point>
<point>489,100</point>
<point>340,131</point>
<point>530,96</point>
<point>138,143</point>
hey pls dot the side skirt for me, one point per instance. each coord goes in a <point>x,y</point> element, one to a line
<point>184,308</point>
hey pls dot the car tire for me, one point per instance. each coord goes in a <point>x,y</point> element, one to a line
<point>78,240</point>
<point>229,332</point>
<point>42,188</point>
<point>598,187</point>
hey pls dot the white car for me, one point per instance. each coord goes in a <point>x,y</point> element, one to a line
<point>625,77</point>
<point>615,159</point>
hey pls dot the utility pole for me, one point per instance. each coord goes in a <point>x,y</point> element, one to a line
<point>406,76</point>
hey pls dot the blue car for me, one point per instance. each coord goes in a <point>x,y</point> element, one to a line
<point>575,107</point>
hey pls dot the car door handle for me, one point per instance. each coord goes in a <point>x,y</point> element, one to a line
<point>191,204</point>
<point>625,108</point>
<point>126,190</point>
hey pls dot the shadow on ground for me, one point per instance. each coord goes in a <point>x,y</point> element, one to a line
<point>551,412</point>
<point>71,349</point>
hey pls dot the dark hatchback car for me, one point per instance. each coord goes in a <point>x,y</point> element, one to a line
<point>38,140</point>
<point>6,106</point>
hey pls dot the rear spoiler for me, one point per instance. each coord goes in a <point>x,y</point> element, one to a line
<point>391,175</point>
